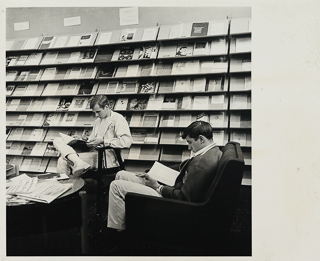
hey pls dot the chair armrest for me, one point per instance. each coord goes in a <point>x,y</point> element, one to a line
<point>101,150</point>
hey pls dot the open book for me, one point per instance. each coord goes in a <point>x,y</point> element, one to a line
<point>77,144</point>
<point>163,174</point>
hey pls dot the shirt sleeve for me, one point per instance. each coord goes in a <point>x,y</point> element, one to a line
<point>122,136</point>
<point>92,137</point>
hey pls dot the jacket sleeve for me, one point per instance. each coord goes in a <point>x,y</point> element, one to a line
<point>122,136</point>
<point>193,188</point>
<point>199,176</point>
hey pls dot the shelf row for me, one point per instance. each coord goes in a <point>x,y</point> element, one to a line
<point>42,164</point>
<point>140,135</point>
<point>132,53</point>
<point>169,143</point>
<point>156,102</point>
<point>179,85</point>
<point>219,119</point>
<point>48,165</point>
<point>164,32</point>
<point>174,68</point>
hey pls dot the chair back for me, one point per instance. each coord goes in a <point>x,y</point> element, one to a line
<point>204,225</point>
<point>222,195</point>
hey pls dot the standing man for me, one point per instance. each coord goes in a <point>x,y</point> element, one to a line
<point>109,129</point>
<point>191,184</point>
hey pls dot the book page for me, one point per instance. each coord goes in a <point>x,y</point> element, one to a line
<point>30,43</point>
<point>155,102</point>
<point>50,89</point>
<point>34,59</point>
<point>149,34</point>
<point>150,119</point>
<point>85,40</point>
<point>199,84</point>
<point>127,34</point>
<point>182,85</point>
<point>36,135</point>
<point>66,138</point>
<point>200,102</point>
<point>132,70</point>
<point>217,27</point>
<point>49,74</point>
<point>239,101</point>
<point>175,31</point>
<point>217,99</point>
<point>218,137</point>
<point>163,174</point>
<point>74,40</point>
<point>243,44</point>
<point>39,149</point>
<point>121,104</point>
<point>60,42</point>
<point>217,119</point>
<point>134,152</point>
<point>31,90</point>
<point>49,58</point>
<point>104,38</point>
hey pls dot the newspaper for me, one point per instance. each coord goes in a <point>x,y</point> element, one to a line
<point>31,189</point>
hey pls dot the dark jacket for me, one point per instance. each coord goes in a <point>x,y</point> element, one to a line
<point>199,171</point>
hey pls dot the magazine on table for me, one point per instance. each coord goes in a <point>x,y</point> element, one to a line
<point>46,192</point>
<point>32,189</point>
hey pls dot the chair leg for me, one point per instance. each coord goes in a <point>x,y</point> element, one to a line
<point>99,180</point>
<point>99,192</point>
<point>84,227</point>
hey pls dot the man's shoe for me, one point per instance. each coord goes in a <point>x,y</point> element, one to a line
<point>79,168</point>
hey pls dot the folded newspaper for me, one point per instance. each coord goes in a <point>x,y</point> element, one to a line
<point>32,189</point>
<point>77,144</point>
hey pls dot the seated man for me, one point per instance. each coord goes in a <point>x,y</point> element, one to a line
<point>191,184</point>
<point>109,129</point>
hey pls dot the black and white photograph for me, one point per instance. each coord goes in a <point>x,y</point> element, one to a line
<point>229,167</point>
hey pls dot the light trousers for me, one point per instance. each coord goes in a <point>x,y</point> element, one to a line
<point>63,165</point>
<point>125,182</point>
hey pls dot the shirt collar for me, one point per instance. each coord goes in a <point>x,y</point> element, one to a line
<point>107,118</point>
<point>205,149</point>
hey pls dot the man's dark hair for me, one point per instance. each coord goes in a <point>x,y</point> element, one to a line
<point>198,128</point>
<point>101,100</point>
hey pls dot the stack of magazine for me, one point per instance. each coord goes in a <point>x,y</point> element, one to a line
<point>25,188</point>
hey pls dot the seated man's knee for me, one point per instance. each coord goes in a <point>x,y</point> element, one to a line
<point>114,186</point>
<point>121,174</point>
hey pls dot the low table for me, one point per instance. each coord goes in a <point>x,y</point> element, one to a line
<point>48,229</point>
